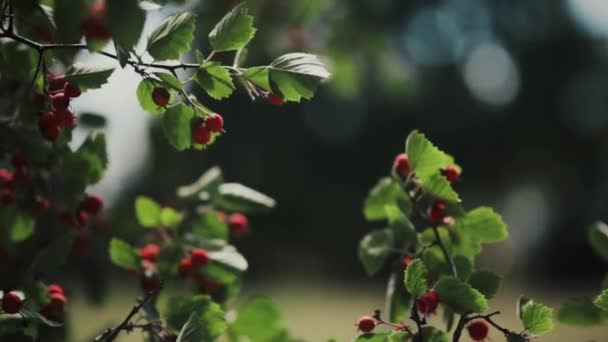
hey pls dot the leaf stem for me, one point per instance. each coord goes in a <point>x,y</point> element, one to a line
<point>445,251</point>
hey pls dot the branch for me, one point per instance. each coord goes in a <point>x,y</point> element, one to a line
<point>112,333</point>
<point>416,318</point>
<point>445,252</point>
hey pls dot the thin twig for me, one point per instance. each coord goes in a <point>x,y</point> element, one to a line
<point>445,252</point>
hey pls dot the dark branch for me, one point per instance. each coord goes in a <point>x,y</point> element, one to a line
<point>445,252</point>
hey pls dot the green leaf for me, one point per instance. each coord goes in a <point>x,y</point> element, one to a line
<point>88,77</point>
<point>432,334</point>
<point>537,318</point>
<point>208,181</point>
<point>296,75</point>
<point>416,281</point>
<point>486,282</point>
<point>230,257</point>
<point>602,300</point>
<point>177,126</point>
<point>68,16</point>
<point>19,224</point>
<point>581,313</point>
<point>258,319</point>
<point>215,80</point>
<point>598,238</point>
<point>260,76</point>
<point>397,298</point>
<point>425,159</point>
<point>210,316</point>
<point>144,96</point>
<point>401,226</point>
<point>234,31</point>
<point>51,258</point>
<point>192,331</point>
<point>374,248</point>
<point>460,296</point>
<point>169,217</point>
<point>386,192</point>
<point>148,212</point>
<point>399,336</point>
<point>483,224</point>
<point>126,21</point>
<point>169,81</point>
<point>438,186</point>
<point>87,165</point>
<point>123,255</point>
<point>91,120</point>
<point>372,337</point>
<point>172,37</point>
<point>210,226</point>
<point>522,301</point>
<point>237,197</point>
<point>464,267</point>
<point>95,144</point>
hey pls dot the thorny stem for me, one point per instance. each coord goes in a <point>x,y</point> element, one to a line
<point>112,333</point>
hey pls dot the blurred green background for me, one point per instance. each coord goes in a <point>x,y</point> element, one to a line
<point>515,90</point>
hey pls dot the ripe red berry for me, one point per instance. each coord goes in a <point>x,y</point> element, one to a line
<point>161,96</point>
<point>41,205</point>
<point>184,267</point>
<point>402,164</point>
<point>18,160</point>
<point>214,122</point>
<point>406,261</point>
<point>11,303</point>
<point>58,302</point>
<point>150,252</point>
<point>65,118</point>
<point>38,99</point>
<point>199,257</point>
<point>60,101</point>
<point>47,119</point>
<point>92,204</point>
<point>239,224</point>
<point>427,304</point>
<point>274,99</point>
<point>7,196</point>
<point>201,134</point>
<point>450,173</point>
<point>56,82</point>
<point>478,330</point>
<point>71,90</point>
<point>54,288</point>
<point>436,211</point>
<point>94,26</point>
<point>5,176</point>
<point>51,133</point>
<point>366,324</point>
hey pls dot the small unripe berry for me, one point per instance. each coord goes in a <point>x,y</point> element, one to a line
<point>161,96</point>
<point>239,224</point>
<point>406,261</point>
<point>199,257</point>
<point>201,134</point>
<point>184,267</point>
<point>94,27</point>
<point>478,330</point>
<point>54,288</point>
<point>71,90</point>
<point>11,303</point>
<point>427,304</point>
<point>7,196</point>
<point>18,160</point>
<point>214,122</point>
<point>92,204</point>
<point>436,211</point>
<point>41,205</point>
<point>450,173</point>
<point>5,176</point>
<point>60,101</point>
<point>274,99</point>
<point>366,324</point>
<point>65,118</point>
<point>402,164</point>
<point>150,252</point>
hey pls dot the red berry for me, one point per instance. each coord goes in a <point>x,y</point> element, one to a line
<point>201,134</point>
<point>54,288</point>
<point>56,82</point>
<point>17,160</point>
<point>161,96</point>
<point>94,26</point>
<point>274,99</point>
<point>238,223</point>
<point>132,271</point>
<point>150,252</point>
<point>60,101</point>
<point>214,122</point>
<point>58,302</point>
<point>65,118</point>
<point>366,324</point>
<point>436,211</point>
<point>402,164</point>
<point>11,303</point>
<point>199,257</point>
<point>210,286</point>
<point>49,126</point>
<point>478,330</point>
<point>81,218</point>
<point>71,90</point>
<point>44,33</point>
<point>5,176</point>
<point>450,173</point>
<point>41,205</point>
<point>406,261</point>
<point>51,133</point>
<point>427,304</point>
<point>7,196</point>
<point>185,267</point>
<point>92,204</point>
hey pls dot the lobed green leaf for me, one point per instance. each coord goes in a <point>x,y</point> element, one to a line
<point>177,126</point>
<point>374,249</point>
<point>486,282</point>
<point>537,318</point>
<point>416,281</point>
<point>172,37</point>
<point>460,296</point>
<point>234,31</point>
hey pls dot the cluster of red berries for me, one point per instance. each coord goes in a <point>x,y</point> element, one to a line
<point>402,165</point>
<point>237,223</point>
<point>197,260</point>
<point>10,180</point>
<point>201,133</point>
<point>478,330</point>
<point>91,205</point>
<point>94,26</point>
<point>60,91</point>
<point>57,302</point>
